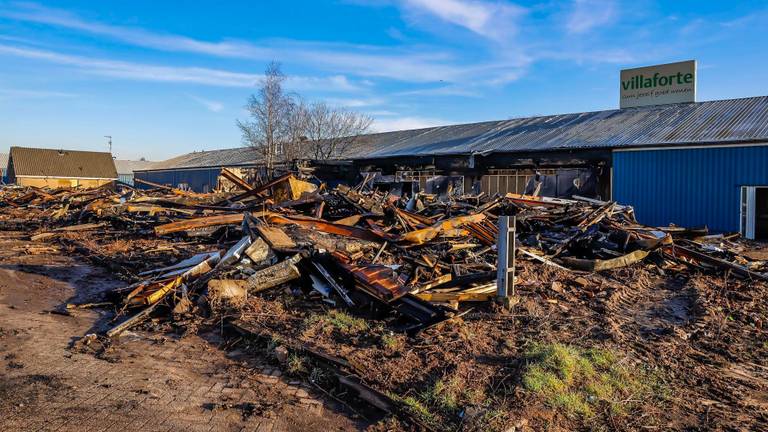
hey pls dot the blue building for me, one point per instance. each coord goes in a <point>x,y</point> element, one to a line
<point>199,171</point>
<point>722,187</point>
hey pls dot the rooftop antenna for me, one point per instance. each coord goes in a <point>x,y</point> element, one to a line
<point>109,137</point>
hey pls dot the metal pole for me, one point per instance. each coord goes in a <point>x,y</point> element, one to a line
<point>505,267</point>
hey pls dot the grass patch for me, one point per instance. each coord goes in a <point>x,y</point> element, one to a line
<point>444,395</point>
<point>580,382</point>
<point>339,320</point>
<point>390,342</point>
<point>296,365</point>
<point>416,407</point>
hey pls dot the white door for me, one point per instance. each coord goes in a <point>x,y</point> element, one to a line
<point>747,225</point>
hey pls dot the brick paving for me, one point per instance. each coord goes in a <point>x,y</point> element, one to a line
<point>155,384</point>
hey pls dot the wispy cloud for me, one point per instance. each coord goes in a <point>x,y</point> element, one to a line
<point>354,102</point>
<point>589,14</point>
<point>416,64</point>
<point>442,91</point>
<point>597,56</point>
<point>210,105</point>
<point>137,71</point>
<point>32,12</point>
<point>494,20</point>
<point>402,123</point>
<point>162,73</point>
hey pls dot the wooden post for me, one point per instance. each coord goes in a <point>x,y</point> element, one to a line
<point>505,266</point>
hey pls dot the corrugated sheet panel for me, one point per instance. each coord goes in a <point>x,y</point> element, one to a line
<point>199,180</point>
<point>722,121</point>
<point>125,166</point>
<point>62,163</point>
<point>689,187</point>
<point>125,178</point>
<point>213,158</point>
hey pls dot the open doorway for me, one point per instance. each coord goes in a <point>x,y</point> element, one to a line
<point>754,212</point>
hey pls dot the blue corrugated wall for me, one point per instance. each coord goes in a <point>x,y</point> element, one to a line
<point>688,187</point>
<point>197,179</point>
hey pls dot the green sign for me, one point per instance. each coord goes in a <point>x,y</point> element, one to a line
<point>657,85</point>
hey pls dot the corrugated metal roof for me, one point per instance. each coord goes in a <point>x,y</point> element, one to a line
<point>62,163</point>
<point>712,122</point>
<point>212,158</point>
<point>125,166</point>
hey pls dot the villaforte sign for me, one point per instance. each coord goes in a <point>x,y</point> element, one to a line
<point>660,84</point>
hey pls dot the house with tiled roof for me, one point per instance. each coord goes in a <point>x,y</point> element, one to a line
<point>54,168</point>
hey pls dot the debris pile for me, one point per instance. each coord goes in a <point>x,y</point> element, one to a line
<point>362,271</point>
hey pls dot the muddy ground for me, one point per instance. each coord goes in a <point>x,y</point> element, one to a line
<point>148,381</point>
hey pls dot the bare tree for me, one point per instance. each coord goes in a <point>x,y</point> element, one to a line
<point>282,127</point>
<point>269,128</point>
<point>297,116</point>
<point>333,132</point>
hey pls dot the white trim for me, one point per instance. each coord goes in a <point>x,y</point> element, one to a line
<point>688,147</point>
<point>68,178</point>
<point>748,222</point>
<point>610,197</point>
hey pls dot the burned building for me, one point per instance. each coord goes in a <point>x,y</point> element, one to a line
<point>692,164</point>
<point>201,171</point>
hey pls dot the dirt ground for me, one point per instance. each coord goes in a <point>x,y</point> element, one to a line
<point>148,382</point>
<point>702,336</point>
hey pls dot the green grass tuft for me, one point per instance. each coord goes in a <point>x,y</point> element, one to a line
<point>578,382</point>
<point>296,365</point>
<point>339,320</point>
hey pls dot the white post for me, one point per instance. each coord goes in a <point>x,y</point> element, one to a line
<point>505,266</point>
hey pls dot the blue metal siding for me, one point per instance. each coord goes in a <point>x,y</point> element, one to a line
<point>197,179</point>
<point>125,178</point>
<point>688,187</point>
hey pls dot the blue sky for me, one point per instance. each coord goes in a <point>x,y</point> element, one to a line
<point>165,78</point>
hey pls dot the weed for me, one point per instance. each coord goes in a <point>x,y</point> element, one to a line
<point>296,365</point>
<point>390,342</point>
<point>573,404</point>
<point>419,409</point>
<point>444,394</point>
<point>475,396</point>
<point>414,406</point>
<point>339,320</point>
<point>576,381</point>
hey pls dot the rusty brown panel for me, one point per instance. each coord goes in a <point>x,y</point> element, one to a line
<point>328,227</point>
<point>377,280</point>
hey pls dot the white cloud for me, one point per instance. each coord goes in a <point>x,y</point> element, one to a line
<point>210,105</point>
<point>175,74</point>
<point>596,56</point>
<point>589,14</point>
<point>381,113</point>
<point>417,64</point>
<point>494,20</point>
<point>32,12</point>
<point>441,91</point>
<point>354,102</point>
<point>404,123</point>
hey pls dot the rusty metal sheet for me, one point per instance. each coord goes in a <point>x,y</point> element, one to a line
<point>377,280</point>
